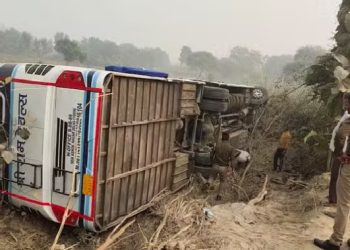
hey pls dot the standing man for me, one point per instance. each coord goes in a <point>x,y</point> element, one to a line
<point>336,149</point>
<point>341,135</point>
<point>282,150</point>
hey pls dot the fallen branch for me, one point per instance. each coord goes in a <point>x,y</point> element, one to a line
<point>155,199</point>
<point>115,231</point>
<point>261,195</point>
<point>176,212</point>
<point>122,239</point>
<point>240,189</point>
<point>254,128</point>
<point>154,238</point>
<point>143,234</point>
<point>64,219</point>
<point>112,238</point>
<point>274,120</point>
<point>244,174</point>
<point>13,236</point>
<point>243,178</point>
<point>160,247</point>
<point>300,183</point>
<point>294,175</point>
<point>277,181</point>
<point>72,246</point>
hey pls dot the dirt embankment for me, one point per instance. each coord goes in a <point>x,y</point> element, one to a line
<point>289,217</point>
<point>286,219</point>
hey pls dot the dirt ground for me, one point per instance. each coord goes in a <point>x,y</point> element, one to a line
<point>20,230</point>
<point>289,217</point>
<point>281,221</point>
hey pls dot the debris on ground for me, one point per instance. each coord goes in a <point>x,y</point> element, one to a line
<point>209,216</point>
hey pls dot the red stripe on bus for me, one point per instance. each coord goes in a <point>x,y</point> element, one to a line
<point>71,213</point>
<point>39,203</point>
<point>20,197</point>
<point>25,81</point>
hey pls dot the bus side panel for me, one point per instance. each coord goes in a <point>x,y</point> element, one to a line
<point>68,152</point>
<point>28,110</point>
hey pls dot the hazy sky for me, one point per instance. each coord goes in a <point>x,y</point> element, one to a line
<point>271,26</point>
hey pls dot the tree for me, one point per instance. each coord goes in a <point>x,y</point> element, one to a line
<point>185,54</point>
<point>245,56</point>
<point>42,47</point>
<point>100,52</point>
<point>247,65</point>
<point>308,55</point>
<point>303,59</point>
<point>204,62</point>
<point>274,66</point>
<point>320,77</point>
<point>25,43</point>
<point>129,54</point>
<point>13,42</point>
<point>294,70</point>
<point>68,48</point>
<point>154,58</point>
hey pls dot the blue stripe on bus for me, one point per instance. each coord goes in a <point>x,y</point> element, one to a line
<point>85,126</point>
<point>91,137</point>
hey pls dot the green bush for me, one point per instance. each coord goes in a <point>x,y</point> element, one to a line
<point>296,108</point>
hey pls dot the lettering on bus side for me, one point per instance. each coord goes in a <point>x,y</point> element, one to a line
<point>20,142</point>
<point>74,136</point>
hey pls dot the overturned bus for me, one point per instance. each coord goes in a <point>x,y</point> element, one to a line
<point>109,140</point>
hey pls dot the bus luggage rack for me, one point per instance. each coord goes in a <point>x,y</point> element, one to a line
<point>19,180</point>
<point>59,172</point>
